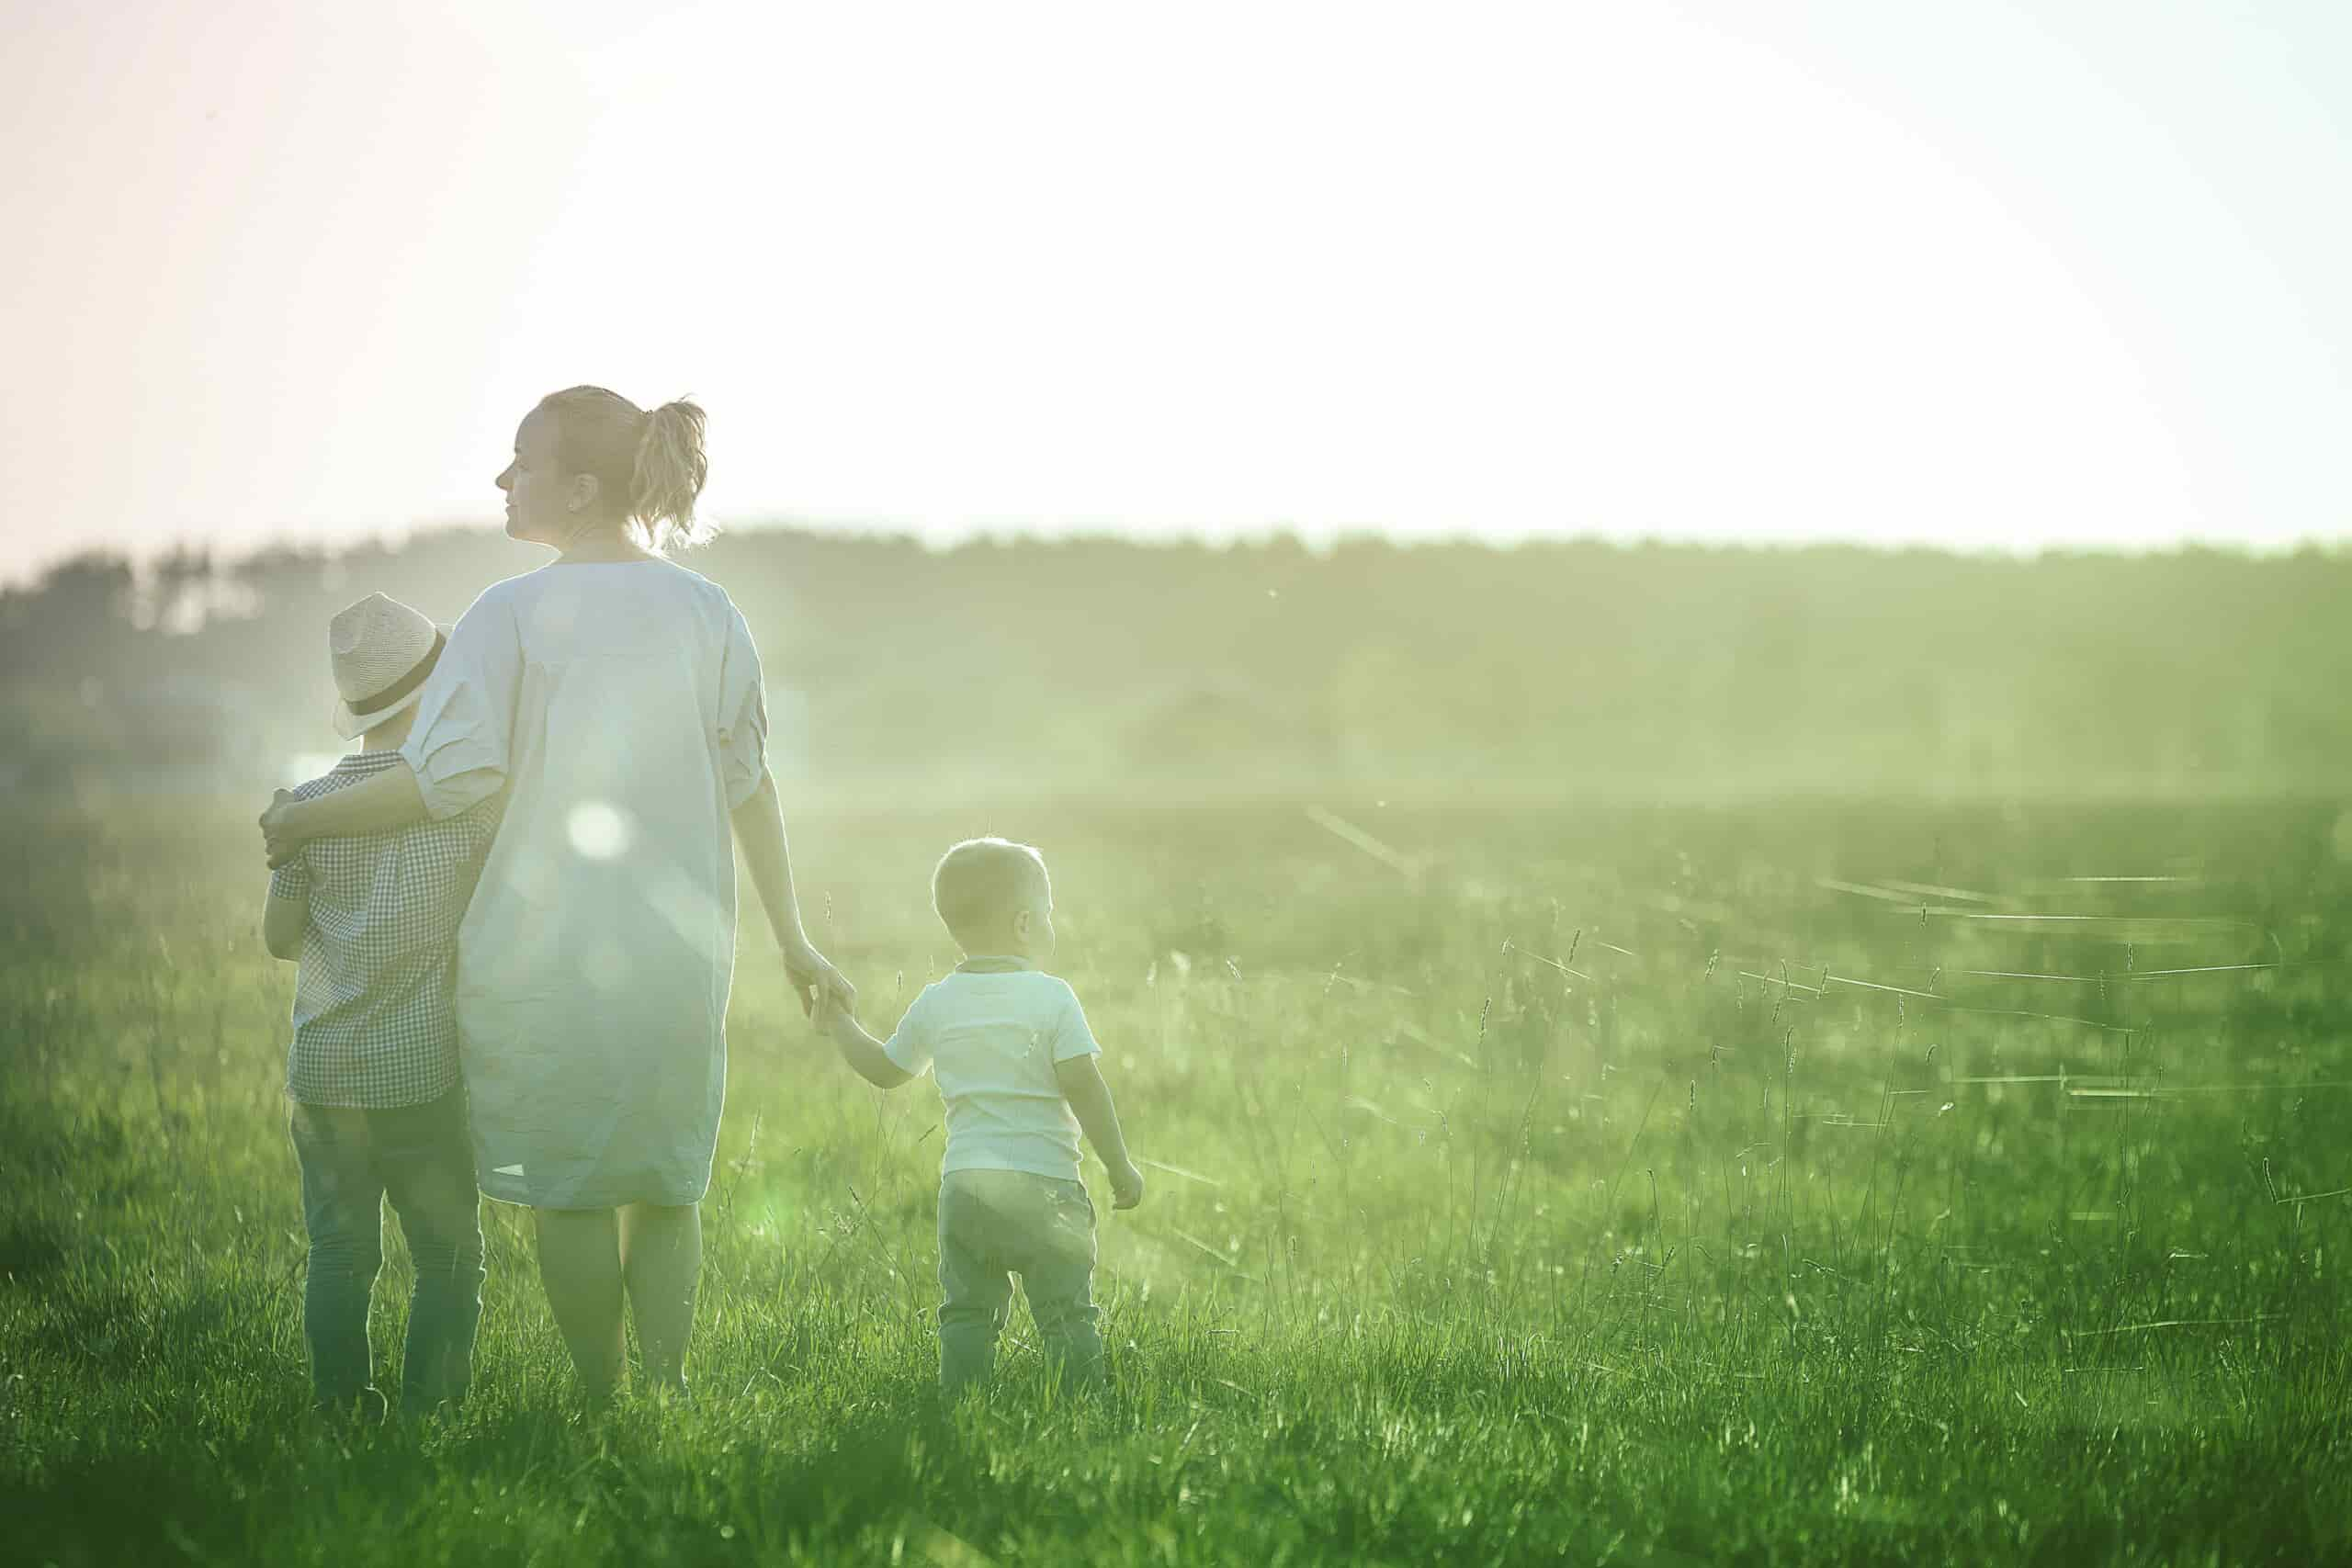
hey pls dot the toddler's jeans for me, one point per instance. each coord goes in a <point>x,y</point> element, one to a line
<point>996,1224</point>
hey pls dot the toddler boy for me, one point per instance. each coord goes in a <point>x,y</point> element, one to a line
<point>377,1107</point>
<point>1016,1063</point>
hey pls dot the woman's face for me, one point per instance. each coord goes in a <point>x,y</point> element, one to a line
<point>538,511</point>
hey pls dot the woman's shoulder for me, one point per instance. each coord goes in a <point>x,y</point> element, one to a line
<point>492,606</point>
<point>725,615</point>
<point>697,584</point>
<point>565,594</point>
<point>507,591</point>
<point>651,574</point>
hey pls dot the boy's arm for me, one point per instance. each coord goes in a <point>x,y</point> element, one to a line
<point>282,920</point>
<point>287,908</point>
<point>1089,1100</point>
<point>862,1051</point>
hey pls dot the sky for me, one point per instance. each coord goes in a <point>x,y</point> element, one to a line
<point>1981,275</point>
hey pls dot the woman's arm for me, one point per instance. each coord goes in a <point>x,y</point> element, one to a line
<point>759,829</point>
<point>377,805</point>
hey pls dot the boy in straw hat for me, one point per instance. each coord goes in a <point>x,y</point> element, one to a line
<point>377,1107</point>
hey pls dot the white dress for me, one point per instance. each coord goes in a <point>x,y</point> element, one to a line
<point>620,706</point>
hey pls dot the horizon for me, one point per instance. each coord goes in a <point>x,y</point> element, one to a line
<point>227,558</point>
<point>2010,282</point>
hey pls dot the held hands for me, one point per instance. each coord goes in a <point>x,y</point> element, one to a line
<point>830,1018</point>
<point>823,990</point>
<point>1126,1186</point>
<point>280,841</point>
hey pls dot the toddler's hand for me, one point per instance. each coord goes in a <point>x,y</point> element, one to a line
<point>815,980</point>
<point>1127,1187</point>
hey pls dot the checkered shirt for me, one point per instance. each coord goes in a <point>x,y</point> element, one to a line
<point>373,1024</point>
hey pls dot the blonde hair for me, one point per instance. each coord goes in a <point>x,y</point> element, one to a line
<point>649,464</point>
<point>979,884</point>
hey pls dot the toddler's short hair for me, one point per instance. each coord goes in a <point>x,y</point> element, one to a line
<point>980,883</point>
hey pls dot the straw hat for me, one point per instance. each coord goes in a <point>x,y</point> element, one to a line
<point>382,652</point>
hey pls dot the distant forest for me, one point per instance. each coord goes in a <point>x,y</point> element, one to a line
<point>1558,670</point>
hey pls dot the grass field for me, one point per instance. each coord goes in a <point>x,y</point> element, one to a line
<point>1769,1185</point>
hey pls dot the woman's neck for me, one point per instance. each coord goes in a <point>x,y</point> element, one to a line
<point>603,544</point>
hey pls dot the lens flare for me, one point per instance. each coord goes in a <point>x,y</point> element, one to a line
<point>600,830</point>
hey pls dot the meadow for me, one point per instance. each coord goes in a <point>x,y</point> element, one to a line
<point>1775,1183</point>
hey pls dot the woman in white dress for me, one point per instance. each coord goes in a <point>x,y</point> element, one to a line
<point>616,699</point>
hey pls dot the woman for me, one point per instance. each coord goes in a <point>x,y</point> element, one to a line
<point>616,699</point>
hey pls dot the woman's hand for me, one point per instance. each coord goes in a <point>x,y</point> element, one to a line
<point>281,838</point>
<point>822,989</point>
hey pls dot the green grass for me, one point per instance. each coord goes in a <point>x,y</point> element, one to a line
<point>1548,1185</point>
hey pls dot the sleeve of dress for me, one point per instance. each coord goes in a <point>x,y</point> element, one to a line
<point>465,720</point>
<point>743,734</point>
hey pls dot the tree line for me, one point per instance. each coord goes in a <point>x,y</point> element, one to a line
<point>1545,669</point>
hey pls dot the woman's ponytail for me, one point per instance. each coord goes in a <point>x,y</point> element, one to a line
<point>671,467</point>
<point>655,459</point>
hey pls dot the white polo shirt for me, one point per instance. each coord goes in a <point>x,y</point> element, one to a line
<point>991,1032</point>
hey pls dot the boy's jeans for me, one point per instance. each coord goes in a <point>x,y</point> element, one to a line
<point>994,1224</point>
<point>422,1156</point>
